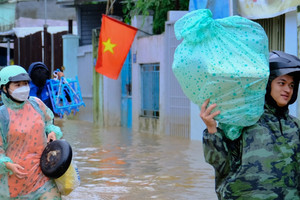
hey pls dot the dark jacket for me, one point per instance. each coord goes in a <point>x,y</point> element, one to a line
<point>40,91</point>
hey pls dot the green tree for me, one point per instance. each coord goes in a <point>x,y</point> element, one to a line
<point>159,9</point>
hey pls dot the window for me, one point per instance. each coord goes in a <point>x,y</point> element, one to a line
<point>274,28</point>
<point>150,90</point>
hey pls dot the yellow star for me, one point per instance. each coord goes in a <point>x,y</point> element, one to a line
<point>108,46</point>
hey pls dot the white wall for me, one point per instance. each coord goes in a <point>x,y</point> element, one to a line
<point>70,47</point>
<point>197,125</point>
<point>111,90</point>
<point>85,78</point>
<point>156,49</point>
<point>291,45</point>
<point>175,114</point>
<point>78,62</point>
<point>136,87</point>
<point>112,101</point>
<point>146,50</point>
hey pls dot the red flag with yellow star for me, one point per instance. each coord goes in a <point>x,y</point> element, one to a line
<point>114,44</point>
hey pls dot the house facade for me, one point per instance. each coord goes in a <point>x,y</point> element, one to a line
<point>147,96</point>
<point>159,104</point>
<point>22,27</point>
<point>138,99</point>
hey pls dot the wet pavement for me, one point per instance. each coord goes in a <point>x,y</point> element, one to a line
<point>115,163</point>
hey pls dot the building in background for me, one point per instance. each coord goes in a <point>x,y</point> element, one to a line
<point>101,95</point>
<point>22,27</point>
<point>158,103</point>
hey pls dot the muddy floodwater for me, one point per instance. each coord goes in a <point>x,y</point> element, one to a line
<point>115,163</point>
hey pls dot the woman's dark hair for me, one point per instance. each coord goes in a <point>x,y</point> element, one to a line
<point>39,76</point>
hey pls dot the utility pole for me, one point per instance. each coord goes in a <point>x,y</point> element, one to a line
<point>8,51</point>
<point>110,6</point>
<point>45,42</point>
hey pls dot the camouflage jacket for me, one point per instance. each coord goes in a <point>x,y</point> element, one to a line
<point>263,163</point>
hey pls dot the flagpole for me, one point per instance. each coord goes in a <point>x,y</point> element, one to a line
<point>128,25</point>
<point>107,6</point>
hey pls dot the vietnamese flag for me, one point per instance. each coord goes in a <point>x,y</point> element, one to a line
<point>114,44</point>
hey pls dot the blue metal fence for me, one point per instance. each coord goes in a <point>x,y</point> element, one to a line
<point>126,98</point>
<point>150,90</point>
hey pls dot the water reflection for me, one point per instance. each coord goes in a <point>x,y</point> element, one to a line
<point>115,163</point>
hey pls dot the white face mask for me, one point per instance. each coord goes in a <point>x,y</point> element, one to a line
<point>21,93</point>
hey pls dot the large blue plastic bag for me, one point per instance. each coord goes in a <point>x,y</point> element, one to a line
<point>225,60</point>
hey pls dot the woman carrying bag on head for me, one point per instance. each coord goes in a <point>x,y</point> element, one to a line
<point>26,127</point>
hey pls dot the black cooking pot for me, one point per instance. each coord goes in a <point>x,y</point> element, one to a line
<point>56,158</point>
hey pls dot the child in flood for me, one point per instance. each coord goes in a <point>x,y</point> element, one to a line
<point>25,127</point>
<point>263,163</point>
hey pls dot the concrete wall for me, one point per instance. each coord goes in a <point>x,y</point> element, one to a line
<point>291,41</point>
<point>111,91</point>
<point>176,112</point>
<point>197,125</point>
<point>78,62</point>
<point>85,78</point>
<point>158,49</point>
<point>36,10</point>
<point>70,62</point>
<point>146,50</point>
<point>111,102</point>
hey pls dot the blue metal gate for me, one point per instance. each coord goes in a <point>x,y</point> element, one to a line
<point>126,98</point>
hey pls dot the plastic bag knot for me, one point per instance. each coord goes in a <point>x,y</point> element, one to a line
<point>195,26</point>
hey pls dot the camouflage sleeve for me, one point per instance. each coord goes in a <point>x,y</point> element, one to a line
<point>216,152</point>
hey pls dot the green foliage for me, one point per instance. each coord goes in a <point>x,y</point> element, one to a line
<point>159,8</point>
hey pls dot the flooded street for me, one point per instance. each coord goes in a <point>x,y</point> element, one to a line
<point>115,163</point>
